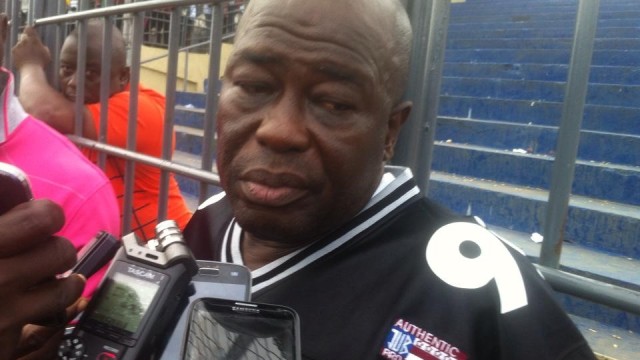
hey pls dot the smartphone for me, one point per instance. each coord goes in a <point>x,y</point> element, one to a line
<point>97,253</point>
<point>14,187</point>
<point>226,329</point>
<point>213,280</point>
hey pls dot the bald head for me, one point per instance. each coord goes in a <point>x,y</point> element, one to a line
<point>118,75</point>
<point>383,23</point>
<point>95,31</point>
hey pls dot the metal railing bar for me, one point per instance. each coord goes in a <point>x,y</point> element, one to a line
<point>593,290</point>
<point>211,105</point>
<point>429,19</point>
<point>105,86</point>
<point>169,110</point>
<point>209,177</point>
<point>57,44</point>
<point>120,10</point>
<point>563,169</point>
<point>13,9</point>
<point>184,48</point>
<point>134,82</point>
<point>81,69</point>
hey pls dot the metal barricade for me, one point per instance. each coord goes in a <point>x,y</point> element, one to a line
<point>415,144</point>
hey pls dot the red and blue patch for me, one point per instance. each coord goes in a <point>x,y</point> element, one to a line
<point>406,341</point>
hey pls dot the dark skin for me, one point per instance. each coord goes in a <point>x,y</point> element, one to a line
<point>309,113</point>
<point>57,108</point>
<point>30,258</point>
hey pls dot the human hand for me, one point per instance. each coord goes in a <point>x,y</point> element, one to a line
<point>42,342</point>
<point>30,259</point>
<point>30,50</point>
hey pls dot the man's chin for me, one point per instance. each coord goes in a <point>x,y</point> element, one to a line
<point>282,231</point>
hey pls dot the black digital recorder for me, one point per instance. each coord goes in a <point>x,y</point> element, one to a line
<point>129,313</point>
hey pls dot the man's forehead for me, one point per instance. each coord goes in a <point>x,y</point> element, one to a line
<point>341,23</point>
<point>335,15</point>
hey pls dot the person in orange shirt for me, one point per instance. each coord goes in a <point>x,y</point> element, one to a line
<point>40,99</point>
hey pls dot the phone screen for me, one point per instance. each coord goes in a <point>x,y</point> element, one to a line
<point>221,329</point>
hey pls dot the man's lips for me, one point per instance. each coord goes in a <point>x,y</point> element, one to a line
<point>269,195</point>
<point>269,189</point>
<point>70,96</point>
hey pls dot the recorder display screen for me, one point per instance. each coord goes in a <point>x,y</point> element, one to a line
<point>124,302</point>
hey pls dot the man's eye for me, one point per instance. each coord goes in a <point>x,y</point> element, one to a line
<point>335,106</point>
<point>254,88</point>
<point>91,74</point>
<point>66,70</point>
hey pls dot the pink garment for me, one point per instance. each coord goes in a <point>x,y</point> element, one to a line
<point>58,171</point>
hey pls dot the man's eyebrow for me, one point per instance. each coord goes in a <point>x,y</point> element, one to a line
<point>258,58</point>
<point>341,74</point>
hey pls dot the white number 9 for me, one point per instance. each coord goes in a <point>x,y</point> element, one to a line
<point>472,271</point>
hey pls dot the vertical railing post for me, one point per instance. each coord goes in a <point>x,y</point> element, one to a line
<point>105,86</point>
<point>430,19</point>
<point>13,10</point>
<point>569,132</point>
<point>134,82</point>
<point>211,107</point>
<point>169,111</point>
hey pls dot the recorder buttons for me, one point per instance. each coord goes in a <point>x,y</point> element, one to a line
<point>106,356</point>
<point>71,349</point>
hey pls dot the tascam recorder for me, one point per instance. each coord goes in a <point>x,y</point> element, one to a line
<point>129,313</point>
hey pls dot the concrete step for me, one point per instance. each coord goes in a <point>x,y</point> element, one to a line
<point>612,333</point>
<point>598,225</point>
<point>621,120</point>
<point>597,94</point>
<point>614,119</point>
<point>541,56</point>
<point>601,181</point>
<point>486,13</point>
<point>612,269</point>
<point>615,269</point>
<point>189,139</point>
<point>191,99</point>
<point>553,32</point>
<point>190,188</point>
<point>524,22</point>
<point>621,75</point>
<point>609,342</point>
<point>594,146</point>
<point>488,7</point>
<point>541,43</point>
<point>189,116</point>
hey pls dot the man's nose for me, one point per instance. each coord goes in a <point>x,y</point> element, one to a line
<point>72,80</point>
<point>285,125</point>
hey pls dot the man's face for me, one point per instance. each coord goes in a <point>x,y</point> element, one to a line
<point>69,75</point>
<point>303,121</point>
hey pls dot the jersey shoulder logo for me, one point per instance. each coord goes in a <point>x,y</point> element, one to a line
<point>468,256</point>
<point>406,341</point>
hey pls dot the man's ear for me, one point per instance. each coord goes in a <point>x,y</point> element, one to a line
<point>398,116</point>
<point>125,75</point>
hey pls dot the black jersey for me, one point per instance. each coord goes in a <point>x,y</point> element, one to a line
<point>404,279</point>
